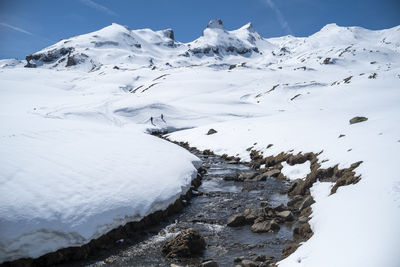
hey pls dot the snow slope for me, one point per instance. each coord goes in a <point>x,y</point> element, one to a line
<point>67,181</point>
<point>85,122</point>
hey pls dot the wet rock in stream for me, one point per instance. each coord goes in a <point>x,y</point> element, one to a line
<point>187,243</point>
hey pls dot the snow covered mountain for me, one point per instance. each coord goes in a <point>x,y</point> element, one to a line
<point>120,45</point>
<point>76,161</point>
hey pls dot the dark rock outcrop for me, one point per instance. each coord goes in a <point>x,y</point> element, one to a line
<point>211,131</point>
<point>236,220</point>
<point>47,57</point>
<point>188,243</point>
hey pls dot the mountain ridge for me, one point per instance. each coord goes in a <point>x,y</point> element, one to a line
<point>116,44</point>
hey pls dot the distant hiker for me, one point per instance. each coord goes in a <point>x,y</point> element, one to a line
<point>151,120</point>
<point>162,118</point>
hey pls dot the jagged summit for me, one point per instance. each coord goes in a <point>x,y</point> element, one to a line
<point>249,27</point>
<point>169,33</point>
<point>215,24</point>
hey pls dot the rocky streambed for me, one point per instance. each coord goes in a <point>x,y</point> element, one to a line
<point>235,214</point>
<point>240,213</point>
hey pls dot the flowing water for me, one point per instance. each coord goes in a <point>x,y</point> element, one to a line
<point>208,213</point>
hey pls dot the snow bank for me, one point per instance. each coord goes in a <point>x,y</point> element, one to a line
<point>66,182</point>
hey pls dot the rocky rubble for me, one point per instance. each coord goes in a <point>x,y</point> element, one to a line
<point>268,219</point>
<point>297,212</point>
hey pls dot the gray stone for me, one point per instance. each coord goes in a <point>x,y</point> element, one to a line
<point>187,243</point>
<point>248,263</point>
<point>302,219</point>
<point>327,60</point>
<point>295,185</point>
<point>308,201</point>
<point>281,207</point>
<point>358,119</point>
<point>211,131</point>
<point>265,226</point>
<point>261,258</point>
<point>246,176</point>
<point>252,214</point>
<point>261,177</point>
<point>260,227</point>
<point>295,201</point>
<point>286,215</point>
<point>273,173</point>
<point>236,220</point>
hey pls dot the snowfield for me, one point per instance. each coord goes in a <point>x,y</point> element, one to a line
<point>76,160</point>
<point>65,182</point>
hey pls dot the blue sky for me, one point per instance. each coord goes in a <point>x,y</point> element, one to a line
<point>27,26</point>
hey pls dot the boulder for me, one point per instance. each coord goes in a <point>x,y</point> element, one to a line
<point>358,119</point>
<point>208,152</point>
<point>265,226</point>
<point>245,176</point>
<point>260,227</point>
<point>248,263</point>
<point>211,131</point>
<point>289,249</point>
<point>236,220</point>
<point>263,259</point>
<point>308,201</point>
<point>281,207</point>
<point>296,186</point>
<point>286,215</point>
<point>261,177</point>
<point>188,243</point>
<point>302,231</point>
<point>327,61</point>
<point>295,201</point>
<point>273,173</point>
<point>252,214</point>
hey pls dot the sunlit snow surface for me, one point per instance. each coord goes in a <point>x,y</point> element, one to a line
<point>75,161</point>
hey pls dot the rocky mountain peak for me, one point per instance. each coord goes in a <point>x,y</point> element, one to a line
<point>169,33</point>
<point>215,24</point>
<point>249,27</point>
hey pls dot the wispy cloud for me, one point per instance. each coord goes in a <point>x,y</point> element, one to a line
<point>15,28</point>
<point>281,19</point>
<point>99,7</point>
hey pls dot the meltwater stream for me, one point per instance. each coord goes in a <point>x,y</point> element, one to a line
<point>208,213</point>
